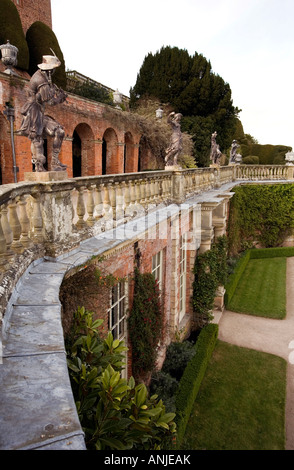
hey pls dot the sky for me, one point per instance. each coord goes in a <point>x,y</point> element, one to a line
<point>249,43</point>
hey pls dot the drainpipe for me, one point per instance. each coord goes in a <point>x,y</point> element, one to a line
<point>9,113</point>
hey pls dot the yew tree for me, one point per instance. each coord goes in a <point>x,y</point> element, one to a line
<point>189,85</point>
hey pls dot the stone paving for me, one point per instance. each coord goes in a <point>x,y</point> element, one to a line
<point>271,336</point>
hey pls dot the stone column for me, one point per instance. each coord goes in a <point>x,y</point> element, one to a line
<point>207,230</point>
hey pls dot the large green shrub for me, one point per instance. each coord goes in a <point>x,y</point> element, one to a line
<point>41,39</point>
<point>250,160</point>
<point>115,413</point>
<point>11,29</point>
<point>260,213</point>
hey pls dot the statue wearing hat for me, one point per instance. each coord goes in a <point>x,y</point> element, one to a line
<point>36,124</point>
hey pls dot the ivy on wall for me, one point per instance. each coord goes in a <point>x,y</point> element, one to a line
<point>210,270</point>
<point>262,214</point>
<point>145,324</point>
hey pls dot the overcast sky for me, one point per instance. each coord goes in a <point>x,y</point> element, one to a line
<point>250,44</point>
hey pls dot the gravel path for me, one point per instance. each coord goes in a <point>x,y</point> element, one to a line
<point>271,336</point>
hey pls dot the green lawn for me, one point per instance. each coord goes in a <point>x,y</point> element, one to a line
<point>241,402</point>
<point>261,290</point>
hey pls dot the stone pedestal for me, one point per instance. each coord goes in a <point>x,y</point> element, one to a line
<point>173,167</point>
<point>45,176</point>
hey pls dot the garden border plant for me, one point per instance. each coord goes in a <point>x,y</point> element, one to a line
<point>191,380</point>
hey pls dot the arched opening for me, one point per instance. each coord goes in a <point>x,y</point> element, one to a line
<point>83,153</point>
<point>76,155</point>
<point>110,163</point>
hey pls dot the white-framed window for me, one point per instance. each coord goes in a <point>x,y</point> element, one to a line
<point>157,268</point>
<point>117,314</point>
<point>183,275</point>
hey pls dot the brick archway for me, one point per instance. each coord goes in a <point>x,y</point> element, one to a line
<point>83,153</point>
<point>110,154</point>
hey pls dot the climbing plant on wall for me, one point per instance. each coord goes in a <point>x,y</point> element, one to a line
<point>210,270</point>
<point>260,213</point>
<point>145,324</point>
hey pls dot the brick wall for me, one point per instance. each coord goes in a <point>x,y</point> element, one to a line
<point>81,289</point>
<point>34,10</point>
<point>86,117</point>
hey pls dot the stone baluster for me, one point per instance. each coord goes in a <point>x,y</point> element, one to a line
<point>132,193</point>
<point>81,208</point>
<point>143,192</point>
<point>119,202</point>
<point>106,200</point>
<point>147,191</point>
<point>112,195</point>
<point>99,202</point>
<point>138,192</point>
<point>15,227</point>
<point>3,248</point>
<point>152,191</point>
<point>90,206</point>
<point>24,222</point>
<point>7,231</point>
<point>37,219</point>
<point>126,196</point>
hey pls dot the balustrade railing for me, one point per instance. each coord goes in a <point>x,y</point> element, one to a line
<point>48,219</point>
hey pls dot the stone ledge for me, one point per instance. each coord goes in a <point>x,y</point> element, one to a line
<point>40,176</point>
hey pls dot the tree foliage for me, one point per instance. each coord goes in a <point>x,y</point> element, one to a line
<point>93,92</point>
<point>115,413</point>
<point>11,29</point>
<point>41,39</point>
<point>189,85</point>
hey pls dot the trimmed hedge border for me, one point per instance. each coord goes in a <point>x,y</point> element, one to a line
<point>255,253</point>
<point>192,377</point>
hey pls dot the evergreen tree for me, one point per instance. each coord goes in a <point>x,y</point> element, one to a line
<point>191,88</point>
<point>11,30</point>
<point>41,39</point>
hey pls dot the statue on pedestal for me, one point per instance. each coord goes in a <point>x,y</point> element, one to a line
<point>233,152</point>
<point>176,142</point>
<point>215,152</point>
<point>36,124</point>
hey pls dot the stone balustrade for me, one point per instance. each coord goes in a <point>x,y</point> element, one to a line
<point>47,219</point>
<point>264,172</point>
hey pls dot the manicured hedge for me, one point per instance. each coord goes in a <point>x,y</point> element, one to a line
<point>11,29</point>
<point>242,263</point>
<point>192,377</point>
<point>41,39</point>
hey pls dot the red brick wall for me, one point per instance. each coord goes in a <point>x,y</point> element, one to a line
<point>34,10</point>
<point>82,289</point>
<point>84,116</point>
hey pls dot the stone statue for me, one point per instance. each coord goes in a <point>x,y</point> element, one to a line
<point>233,152</point>
<point>176,142</point>
<point>36,124</point>
<point>215,152</point>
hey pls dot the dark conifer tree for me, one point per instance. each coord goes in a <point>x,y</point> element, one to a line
<point>189,85</point>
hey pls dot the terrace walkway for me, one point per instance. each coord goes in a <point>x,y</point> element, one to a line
<point>49,228</point>
<point>270,336</point>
